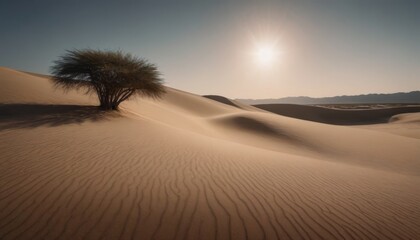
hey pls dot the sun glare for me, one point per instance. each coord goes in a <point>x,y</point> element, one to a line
<point>266,54</point>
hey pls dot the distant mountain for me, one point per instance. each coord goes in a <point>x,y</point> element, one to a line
<point>409,97</point>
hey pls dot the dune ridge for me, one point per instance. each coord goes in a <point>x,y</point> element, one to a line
<point>187,167</point>
<point>231,102</point>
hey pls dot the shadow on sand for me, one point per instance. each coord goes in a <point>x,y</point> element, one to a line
<point>15,116</point>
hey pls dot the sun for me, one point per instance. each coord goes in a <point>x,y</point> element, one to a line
<point>266,54</point>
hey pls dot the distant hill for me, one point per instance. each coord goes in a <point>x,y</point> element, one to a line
<point>409,97</point>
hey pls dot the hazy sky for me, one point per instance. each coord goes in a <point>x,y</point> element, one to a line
<point>324,48</point>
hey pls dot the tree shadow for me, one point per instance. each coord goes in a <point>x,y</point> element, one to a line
<point>17,116</point>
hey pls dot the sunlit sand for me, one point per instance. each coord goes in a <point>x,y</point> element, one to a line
<point>193,167</point>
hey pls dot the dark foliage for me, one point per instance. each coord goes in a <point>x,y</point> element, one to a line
<point>113,76</point>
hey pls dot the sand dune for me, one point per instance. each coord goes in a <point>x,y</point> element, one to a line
<point>231,102</point>
<point>336,116</point>
<point>188,167</point>
<point>407,124</point>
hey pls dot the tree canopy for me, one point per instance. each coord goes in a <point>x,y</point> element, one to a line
<point>113,75</point>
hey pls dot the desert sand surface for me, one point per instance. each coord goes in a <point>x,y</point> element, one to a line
<point>231,102</point>
<point>405,124</point>
<point>189,167</point>
<point>338,116</point>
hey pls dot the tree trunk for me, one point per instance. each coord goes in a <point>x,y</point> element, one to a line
<point>110,99</point>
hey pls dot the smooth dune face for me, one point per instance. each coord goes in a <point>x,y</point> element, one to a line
<point>231,102</point>
<point>187,167</point>
<point>406,124</point>
<point>338,116</point>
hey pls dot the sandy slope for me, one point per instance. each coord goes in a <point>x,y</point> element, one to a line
<point>232,102</point>
<point>407,124</point>
<point>188,167</point>
<point>337,116</point>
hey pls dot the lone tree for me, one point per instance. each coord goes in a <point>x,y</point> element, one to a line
<point>113,76</point>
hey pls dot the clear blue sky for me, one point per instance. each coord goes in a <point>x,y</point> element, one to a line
<point>326,48</point>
